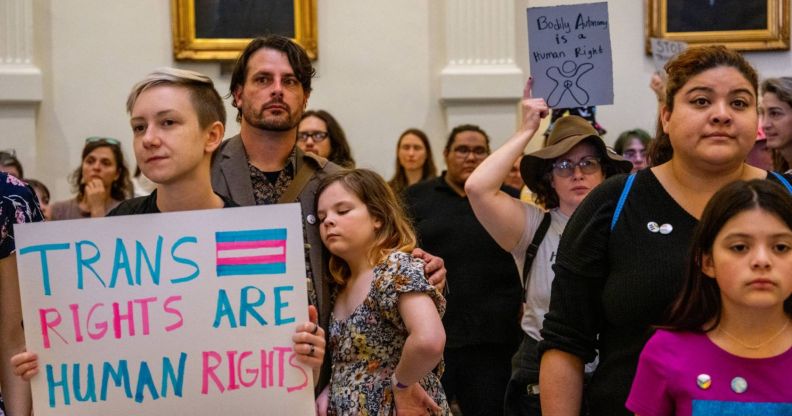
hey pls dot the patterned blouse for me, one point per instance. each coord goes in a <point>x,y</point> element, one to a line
<point>18,205</point>
<point>367,346</point>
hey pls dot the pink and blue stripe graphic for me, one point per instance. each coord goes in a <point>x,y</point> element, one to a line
<point>248,252</point>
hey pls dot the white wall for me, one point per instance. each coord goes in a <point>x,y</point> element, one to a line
<point>378,67</point>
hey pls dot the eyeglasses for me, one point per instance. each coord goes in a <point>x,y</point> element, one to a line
<point>317,136</point>
<point>588,165</point>
<point>462,152</point>
<point>108,140</point>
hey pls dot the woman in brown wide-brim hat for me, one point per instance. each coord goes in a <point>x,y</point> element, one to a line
<point>574,161</point>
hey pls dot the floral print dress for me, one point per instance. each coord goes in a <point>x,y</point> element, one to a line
<point>367,346</point>
<point>17,205</point>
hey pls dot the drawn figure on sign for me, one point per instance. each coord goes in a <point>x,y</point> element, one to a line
<point>567,79</point>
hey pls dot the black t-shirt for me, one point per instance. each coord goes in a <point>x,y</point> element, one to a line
<point>484,287</point>
<point>148,205</point>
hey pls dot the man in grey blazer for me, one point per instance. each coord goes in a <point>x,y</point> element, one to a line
<point>262,165</point>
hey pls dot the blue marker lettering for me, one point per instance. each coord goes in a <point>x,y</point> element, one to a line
<point>182,260</point>
<point>42,248</point>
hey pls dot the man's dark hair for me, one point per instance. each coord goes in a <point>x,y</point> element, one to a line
<point>298,59</point>
<point>463,128</point>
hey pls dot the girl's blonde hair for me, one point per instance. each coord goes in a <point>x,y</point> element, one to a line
<point>395,234</point>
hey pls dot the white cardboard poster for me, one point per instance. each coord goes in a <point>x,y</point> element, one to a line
<point>570,54</point>
<point>165,314</point>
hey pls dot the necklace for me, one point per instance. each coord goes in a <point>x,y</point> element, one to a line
<point>757,346</point>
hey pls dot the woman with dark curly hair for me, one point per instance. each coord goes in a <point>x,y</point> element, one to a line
<point>573,163</point>
<point>316,127</point>
<point>101,182</point>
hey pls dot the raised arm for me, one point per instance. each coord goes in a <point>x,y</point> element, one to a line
<point>500,214</point>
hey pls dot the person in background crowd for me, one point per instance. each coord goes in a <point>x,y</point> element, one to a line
<point>776,120</point>
<point>17,205</point>
<point>633,145</point>
<point>316,127</point>
<point>760,155</point>
<point>414,160</point>
<point>101,181</point>
<point>43,195</point>
<point>10,164</point>
<point>481,320</point>
<point>729,327</point>
<point>513,180</point>
<point>618,270</point>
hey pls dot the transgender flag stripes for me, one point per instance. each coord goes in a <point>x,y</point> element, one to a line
<point>241,253</point>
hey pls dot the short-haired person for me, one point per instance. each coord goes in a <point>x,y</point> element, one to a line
<point>263,165</point>
<point>633,145</point>
<point>178,120</point>
<point>618,272</point>
<point>321,134</point>
<point>483,305</point>
<point>414,160</point>
<point>574,162</point>
<point>101,181</point>
<point>17,205</point>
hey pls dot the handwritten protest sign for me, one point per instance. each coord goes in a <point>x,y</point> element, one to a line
<point>570,54</point>
<point>164,314</point>
<point>663,50</point>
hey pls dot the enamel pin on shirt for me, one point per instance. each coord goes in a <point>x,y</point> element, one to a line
<point>662,229</point>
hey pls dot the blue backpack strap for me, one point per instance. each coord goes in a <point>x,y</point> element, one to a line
<point>622,200</point>
<point>783,181</point>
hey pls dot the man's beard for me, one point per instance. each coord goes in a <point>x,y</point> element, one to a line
<point>272,123</point>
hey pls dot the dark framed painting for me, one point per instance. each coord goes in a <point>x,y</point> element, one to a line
<point>738,24</point>
<point>220,29</point>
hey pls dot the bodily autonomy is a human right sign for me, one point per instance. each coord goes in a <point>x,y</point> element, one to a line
<point>570,54</point>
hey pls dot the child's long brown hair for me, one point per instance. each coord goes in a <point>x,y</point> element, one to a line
<point>395,234</point>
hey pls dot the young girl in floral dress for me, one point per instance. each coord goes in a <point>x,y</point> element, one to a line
<point>386,335</point>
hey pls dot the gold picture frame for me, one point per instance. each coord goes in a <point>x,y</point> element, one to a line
<point>190,44</point>
<point>768,21</point>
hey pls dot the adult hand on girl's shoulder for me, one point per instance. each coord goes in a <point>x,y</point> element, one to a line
<point>414,401</point>
<point>309,342</point>
<point>323,402</point>
<point>434,269</point>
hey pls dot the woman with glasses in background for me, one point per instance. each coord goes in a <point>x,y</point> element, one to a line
<point>414,160</point>
<point>574,161</point>
<point>101,182</point>
<point>320,133</point>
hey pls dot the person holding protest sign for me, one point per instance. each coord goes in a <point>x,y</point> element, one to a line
<point>385,332</point>
<point>17,205</point>
<point>178,120</point>
<point>621,258</point>
<point>574,162</point>
<point>262,165</point>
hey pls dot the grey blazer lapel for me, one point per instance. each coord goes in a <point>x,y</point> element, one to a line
<point>234,167</point>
